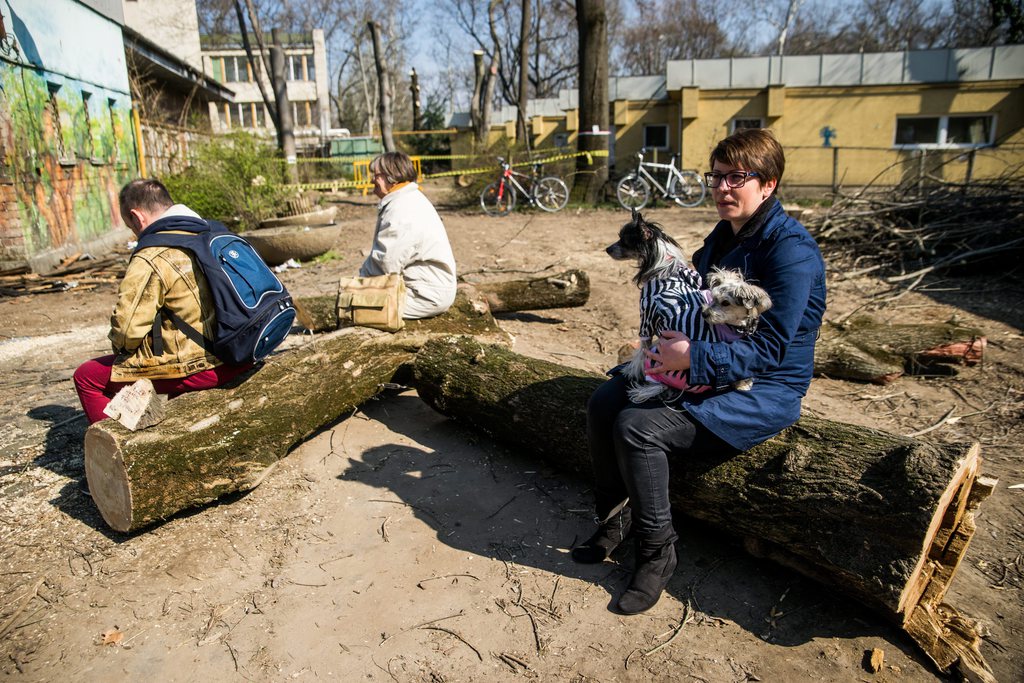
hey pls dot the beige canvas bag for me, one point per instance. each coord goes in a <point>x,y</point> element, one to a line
<point>372,302</point>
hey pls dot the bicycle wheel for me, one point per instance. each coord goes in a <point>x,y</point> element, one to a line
<point>633,192</point>
<point>551,193</point>
<point>497,199</point>
<point>689,190</point>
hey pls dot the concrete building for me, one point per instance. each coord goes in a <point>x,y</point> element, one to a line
<point>170,92</point>
<point>165,64</point>
<point>843,119</point>
<point>306,73</point>
<point>66,139</point>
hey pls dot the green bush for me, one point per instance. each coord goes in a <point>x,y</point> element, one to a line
<point>237,178</point>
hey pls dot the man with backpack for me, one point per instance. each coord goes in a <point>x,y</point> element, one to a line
<point>174,302</point>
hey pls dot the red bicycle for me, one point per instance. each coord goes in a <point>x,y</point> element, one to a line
<point>548,192</point>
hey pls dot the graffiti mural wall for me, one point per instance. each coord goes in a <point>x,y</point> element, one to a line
<point>66,134</point>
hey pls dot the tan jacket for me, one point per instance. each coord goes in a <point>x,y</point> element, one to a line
<point>161,277</point>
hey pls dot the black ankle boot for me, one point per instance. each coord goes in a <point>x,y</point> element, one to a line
<point>610,533</point>
<point>655,561</point>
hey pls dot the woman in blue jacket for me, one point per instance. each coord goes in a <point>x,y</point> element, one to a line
<point>631,445</point>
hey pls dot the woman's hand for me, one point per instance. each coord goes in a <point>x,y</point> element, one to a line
<point>673,353</point>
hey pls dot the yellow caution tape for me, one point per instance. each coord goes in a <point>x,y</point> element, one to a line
<point>363,185</point>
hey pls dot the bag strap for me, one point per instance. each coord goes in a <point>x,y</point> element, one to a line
<point>183,327</point>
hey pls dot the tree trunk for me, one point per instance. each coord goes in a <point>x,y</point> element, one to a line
<point>524,77</point>
<point>865,350</point>
<point>286,123</point>
<point>592,174</point>
<point>887,522</point>
<point>476,107</point>
<point>414,91</point>
<point>562,290</point>
<point>223,440</point>
<point>383,89</point>
<point>491,77</point>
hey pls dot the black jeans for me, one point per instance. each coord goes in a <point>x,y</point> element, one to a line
<point>630,447</point>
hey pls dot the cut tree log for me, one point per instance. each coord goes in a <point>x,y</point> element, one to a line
<point>884,518</point>
<point>869,351</point>
<point>224,440</point>
<point>563,290</point>
<point>219,441</point>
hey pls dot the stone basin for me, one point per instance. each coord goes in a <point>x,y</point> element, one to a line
<point>312,218</point>
<point>277,245</point>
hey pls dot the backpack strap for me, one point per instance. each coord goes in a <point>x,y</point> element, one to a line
<point>183,327</point>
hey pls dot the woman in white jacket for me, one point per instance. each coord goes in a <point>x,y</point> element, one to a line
<point>410,239</point>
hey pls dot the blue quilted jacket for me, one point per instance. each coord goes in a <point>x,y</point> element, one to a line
<point>784,259</point>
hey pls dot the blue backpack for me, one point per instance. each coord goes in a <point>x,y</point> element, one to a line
<point>254,311</point>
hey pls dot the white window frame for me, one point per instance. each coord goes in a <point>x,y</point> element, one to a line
<point>944,132</point>
<point>732,122</point>
<point>668,139</point>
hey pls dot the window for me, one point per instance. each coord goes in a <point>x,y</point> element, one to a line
<point>301,115</point>
<point>740,124</point>
<point>656,136</point>
<point>300,68</point>
<point>961,130</point>
<point>295,67</point>
<point>235,69</point>
<point>245,114</point>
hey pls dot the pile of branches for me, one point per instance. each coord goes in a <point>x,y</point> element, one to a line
<point>924,224</point>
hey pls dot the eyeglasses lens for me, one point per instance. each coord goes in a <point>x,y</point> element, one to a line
<point>733,180</point>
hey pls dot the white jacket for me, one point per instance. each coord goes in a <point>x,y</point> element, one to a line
<point>410,239</point>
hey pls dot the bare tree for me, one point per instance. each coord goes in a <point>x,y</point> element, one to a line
<point>552,58</point>
<point>986,22</point>
<point>357,99</point>
<point>255,67</point>
<point>660,31</point>
<point>792,7</point>
<point>383,88</point>
<point>593,99</point>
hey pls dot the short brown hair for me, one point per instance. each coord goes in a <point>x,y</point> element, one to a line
<point>147,194</point>
<point>396,167</point>
<point>754,149</point>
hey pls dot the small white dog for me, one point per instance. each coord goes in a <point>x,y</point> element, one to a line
<point>673,297</point>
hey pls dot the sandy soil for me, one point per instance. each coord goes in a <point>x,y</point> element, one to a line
<point>396,545</point>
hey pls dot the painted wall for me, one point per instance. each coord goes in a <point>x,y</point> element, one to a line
<point>66,138</point>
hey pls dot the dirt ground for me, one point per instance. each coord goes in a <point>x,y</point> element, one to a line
<point>397,545</point>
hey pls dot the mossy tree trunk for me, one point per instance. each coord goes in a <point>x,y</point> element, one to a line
<point>219,441</point>
<point>224,440</point>
<point>562,290</point>
<point>869,512</point>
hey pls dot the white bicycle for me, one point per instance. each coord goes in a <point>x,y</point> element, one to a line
<point>685,188</point>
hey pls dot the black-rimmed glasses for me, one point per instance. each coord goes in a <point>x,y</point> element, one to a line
<point>733,179</point>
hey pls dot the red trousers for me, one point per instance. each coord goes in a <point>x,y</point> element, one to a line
<point>92,382</point>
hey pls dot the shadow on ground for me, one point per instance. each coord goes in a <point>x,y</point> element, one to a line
<point>504,506</point>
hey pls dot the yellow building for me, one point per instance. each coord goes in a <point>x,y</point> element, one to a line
<point>844,120</point>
